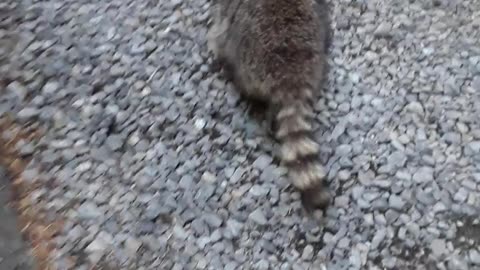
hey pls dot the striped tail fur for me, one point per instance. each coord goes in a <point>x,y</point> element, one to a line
<point>299,151</point>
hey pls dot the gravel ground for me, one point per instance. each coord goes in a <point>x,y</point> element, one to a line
<point>152,162</point>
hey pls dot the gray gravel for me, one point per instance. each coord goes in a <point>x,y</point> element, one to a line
<point>153,163</point>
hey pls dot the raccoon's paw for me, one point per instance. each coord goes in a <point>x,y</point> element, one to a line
<point>216,65</point>
<point>271,124</point>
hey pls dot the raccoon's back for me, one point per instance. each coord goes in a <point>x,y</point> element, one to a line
<point>278,38</point>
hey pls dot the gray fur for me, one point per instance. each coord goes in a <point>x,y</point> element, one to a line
<point>275,51</point>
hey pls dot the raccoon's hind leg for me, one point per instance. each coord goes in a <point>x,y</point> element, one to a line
<point>216,65</point>
<point>272,125</point>
<point>216,37</point>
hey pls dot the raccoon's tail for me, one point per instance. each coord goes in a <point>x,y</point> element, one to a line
<point>299,151</point>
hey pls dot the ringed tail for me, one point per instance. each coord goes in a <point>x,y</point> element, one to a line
<point>299,151</point>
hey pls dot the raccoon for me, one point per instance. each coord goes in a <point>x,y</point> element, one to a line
<point>274,51</point>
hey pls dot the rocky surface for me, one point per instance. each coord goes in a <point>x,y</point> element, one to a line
<point>153,162</point>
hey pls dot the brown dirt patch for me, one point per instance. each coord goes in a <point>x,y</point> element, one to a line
<point>31,218</point>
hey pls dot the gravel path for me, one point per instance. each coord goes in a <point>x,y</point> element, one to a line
<point>152,163</point>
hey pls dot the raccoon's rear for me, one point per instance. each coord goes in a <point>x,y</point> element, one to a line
<point>275,51</point>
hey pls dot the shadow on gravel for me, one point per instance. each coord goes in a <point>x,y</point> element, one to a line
<point>468,232</point>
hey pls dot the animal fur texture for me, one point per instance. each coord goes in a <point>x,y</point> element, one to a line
<point>275,52</point>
